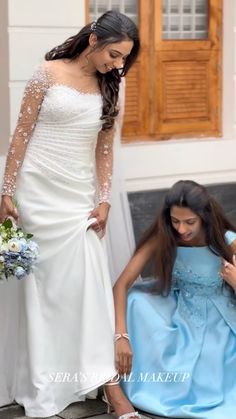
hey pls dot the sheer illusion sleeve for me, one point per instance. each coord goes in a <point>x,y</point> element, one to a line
<point>104,163</point>
<point>32,100</point>
<point>104,151</point>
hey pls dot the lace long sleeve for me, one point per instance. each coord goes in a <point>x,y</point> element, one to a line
<point>104,164</point>
<point>33,97</point>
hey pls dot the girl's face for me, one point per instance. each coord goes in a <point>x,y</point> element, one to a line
<point>188,225</point>
<point>111,56</point>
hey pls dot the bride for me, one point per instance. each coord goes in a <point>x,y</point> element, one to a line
<point>63,137</point>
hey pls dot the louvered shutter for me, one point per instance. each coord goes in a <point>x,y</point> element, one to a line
<point>188,83</point>
<point>136,118</point>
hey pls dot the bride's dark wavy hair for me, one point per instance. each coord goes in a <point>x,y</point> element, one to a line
<point>186,194</point>
<point>111,27</point>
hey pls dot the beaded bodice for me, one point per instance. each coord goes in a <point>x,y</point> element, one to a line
<point>193,277</point>
<point>66,133</point>
<point>59,130</point>
<point>196,280</point>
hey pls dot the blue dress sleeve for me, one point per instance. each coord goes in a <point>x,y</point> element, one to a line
<point>230,236</point>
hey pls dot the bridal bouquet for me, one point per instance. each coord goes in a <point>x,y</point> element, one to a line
<point>18,252</point>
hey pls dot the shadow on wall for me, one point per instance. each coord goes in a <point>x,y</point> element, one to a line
<point>144,206</point>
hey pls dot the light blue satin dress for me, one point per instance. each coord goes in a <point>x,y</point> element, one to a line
<point>184,345</point>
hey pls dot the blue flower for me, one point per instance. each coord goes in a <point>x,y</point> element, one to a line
<point>23,243</point>
<point>33,246</point>
<point>19,272</point>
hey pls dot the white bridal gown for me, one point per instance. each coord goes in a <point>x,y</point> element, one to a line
<point>66,318</point>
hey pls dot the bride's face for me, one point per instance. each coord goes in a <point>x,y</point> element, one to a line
<point>111,56</point>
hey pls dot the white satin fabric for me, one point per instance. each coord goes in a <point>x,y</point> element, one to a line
<point>66,323</point>
<point>120,236</point>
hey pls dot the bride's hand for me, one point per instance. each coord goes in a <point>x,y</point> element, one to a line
<point>8,209</point>
<point>101,214</point>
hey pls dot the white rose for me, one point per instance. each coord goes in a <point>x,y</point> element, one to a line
<point>14,245</point>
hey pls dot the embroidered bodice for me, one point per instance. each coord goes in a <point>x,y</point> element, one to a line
<point>59,129</point>
<point>197,279</point>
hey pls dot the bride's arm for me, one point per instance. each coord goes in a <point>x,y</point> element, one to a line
<point>104,165</point>
<point>33,97</point>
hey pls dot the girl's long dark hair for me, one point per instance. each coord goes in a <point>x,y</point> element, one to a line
<point>188,194</point>
<point>111,27</point>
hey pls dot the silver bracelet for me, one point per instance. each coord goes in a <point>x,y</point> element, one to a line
<point>121,335</point>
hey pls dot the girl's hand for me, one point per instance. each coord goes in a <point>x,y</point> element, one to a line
<point>101,214</point>
<point>123,356</point>
<point>8,209</point>
<point>228,272</point>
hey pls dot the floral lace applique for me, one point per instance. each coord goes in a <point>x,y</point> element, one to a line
<point>104,163</point>
<point>194,290</point>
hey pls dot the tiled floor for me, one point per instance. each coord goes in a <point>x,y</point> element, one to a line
<point>90,409</point>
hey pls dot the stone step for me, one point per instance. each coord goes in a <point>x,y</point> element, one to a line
<point>94,409</point>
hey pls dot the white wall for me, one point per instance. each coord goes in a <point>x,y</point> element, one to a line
<point>35,27</point>
<point>4,120</point>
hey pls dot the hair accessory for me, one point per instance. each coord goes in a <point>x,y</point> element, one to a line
<point>93,26</point>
